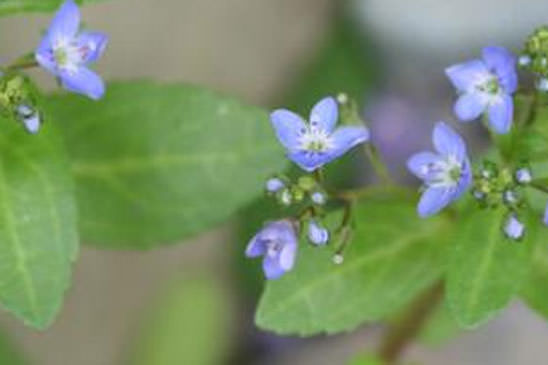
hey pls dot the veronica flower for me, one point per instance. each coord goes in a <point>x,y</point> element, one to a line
<point>277,242</point>
<point>446,173</point>
<point>66,52</point>
<point>317,142</point>
<point>486,86</point>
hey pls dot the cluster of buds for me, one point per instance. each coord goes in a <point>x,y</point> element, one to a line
<point>288,193</point>
<point>494,186</point>
<point>534,57</point>
<point>18,101</point>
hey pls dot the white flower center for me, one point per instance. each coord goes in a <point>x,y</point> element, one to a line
<point>273,247</point>
<point>68,55</point>
<point>315,139</point>
<point>443,173</point>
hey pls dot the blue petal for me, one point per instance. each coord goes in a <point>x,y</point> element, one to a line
<point>66,22</point>
<point>503,63</point>
<point>32,124</point>
<point>465,180</point>
<point>84,81</point>
<point>325,114</point>
<point>545,218</point>
<point>416,163</point>
<point>255,247</point>
<point>94,43</point>
<point>448,142</point>
<point>433,200</point>
<point>287,256</point>
<point>346,138</point>
<point>501,114</point>
<point>470,106</point>
<point>310,161</point>
<point>44,56</point>
<point>465,76</point>
<point>272,269</point>
<point>288,126</point>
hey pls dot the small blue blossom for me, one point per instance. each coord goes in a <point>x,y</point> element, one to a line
<point>486,85</point>
<point>274,185</point>
<point>316,143</point>
<point>513,228</point>
<point>523,176</point>
<point>318,198</point>
<point>277,243</point>
<point>446,174</point>
<point>66,52</point>
<point>524,60</point>
<point>545,218</point>
<point>29,117</point>
<point>317,234</point>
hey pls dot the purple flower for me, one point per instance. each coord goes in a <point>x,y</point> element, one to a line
<point>446,174</point>
<point>277,242</point>
<point>66,52</point>
<point>311,145</point>
<point>486,85</point>
<point>513,228</point>
<point>317,234</point>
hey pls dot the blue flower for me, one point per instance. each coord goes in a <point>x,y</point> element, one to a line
<point>277,242</point>
<point>446,174</point>
<point>66,52</point>
<point>315,143</point>
<point>486,85</point>
<point>274,185</point>
<point>513,228</point>
<point>317,234</point>
<point>29,117</point>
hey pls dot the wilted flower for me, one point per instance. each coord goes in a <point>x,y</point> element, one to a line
<point>277,242</point>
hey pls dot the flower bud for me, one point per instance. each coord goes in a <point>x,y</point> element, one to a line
<point>317,234</point>
<point>513,228</point>
<point>523,176</point>
<point>284,197</point>
<point>318,198</point>
<point>273,185</point>
<point>338,259</point>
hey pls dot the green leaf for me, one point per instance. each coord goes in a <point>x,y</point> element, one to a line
<point>189,325</point>
<point>486,269</point>
<point>440,327</point>
<point>394,255</point>
<point>158,163</point>
<point>9,353</point>
<point>535,288</point>
<point>37,223</point>
<point>8,7</point>
<point>366,360</point>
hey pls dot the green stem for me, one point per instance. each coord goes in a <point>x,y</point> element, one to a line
<point>380,168</point>
<point>22,63</point>
<point>401,334</point>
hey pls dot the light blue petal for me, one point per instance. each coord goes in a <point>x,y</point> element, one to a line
<point>433,200</point>
<point>448,142</point>
<point>503,63</point>
<point>66,22</point>
<point>84,81</point>
<point>465,180</point>
<point>545,218</point>
<point>255,247</point>
<point>44,56</point>
<point>470,106</point>
<point>310,161</point>
<point>287,257</point>
<point>94,44</point>
<point>325,114</point>
<point>288,127</point>
<point>417,163</point>
<point>466,76</point>
<point>32,124</point>
<point>348,137</point>
<point>272,269</point>
<point>501,114</point>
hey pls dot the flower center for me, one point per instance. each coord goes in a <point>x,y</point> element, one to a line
<point>273,247</point>
<point>68,55</point>
<point>491,86</point>
<point>315,140</point>
<point>443,173</point>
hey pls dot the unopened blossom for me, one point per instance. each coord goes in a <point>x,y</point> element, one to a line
<point>317,234</point>
<point>513,228</point>
<point>446,173</point>
<point>317,142</point>
<point>66,52</point>
<point>486,85</point>
<point>274,185</point>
